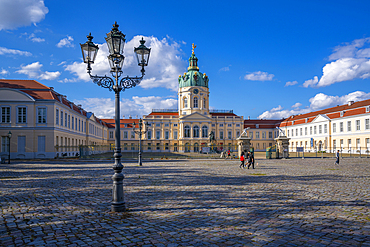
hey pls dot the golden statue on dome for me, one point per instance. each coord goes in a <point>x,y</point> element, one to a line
<point>194,46</point>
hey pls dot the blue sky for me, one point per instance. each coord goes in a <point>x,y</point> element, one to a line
<point>264,59</point>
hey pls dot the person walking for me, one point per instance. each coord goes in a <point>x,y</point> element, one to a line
<point>337,156</point>
<point>250,160</point>
<point>228,154</point>
<point>242,160</point>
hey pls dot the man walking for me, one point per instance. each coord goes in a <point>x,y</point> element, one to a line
<point>250,159</point>
<point>337,156</point>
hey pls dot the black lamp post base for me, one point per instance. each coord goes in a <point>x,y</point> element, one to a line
<point>118,207</point>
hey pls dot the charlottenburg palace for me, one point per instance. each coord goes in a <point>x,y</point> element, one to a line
<point>45,124</point>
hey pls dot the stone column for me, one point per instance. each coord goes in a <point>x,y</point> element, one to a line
<point>282,143</point>
<point>244,143</point>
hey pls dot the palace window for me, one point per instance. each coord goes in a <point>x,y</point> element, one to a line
<point>367,124</point>
<point>57,116</point>
<point>166,135</point>
<point>204,131</point>
<point>61,118</point>
<point>175,135</point>
<point>149,135</point>
<point>349,128</point>
<point>195,102</point>
<point>22,115</point>
<point>185,103</point>
<point>334,127</point>
<point>341,127</point>
<point>187,131</point>
<point>158,134</point>
<point>196,131</point>
<point>357,124</point>
<point>41,115</point>
<point>229,134</point>
<point>221,134</point>
<point>5,114</point>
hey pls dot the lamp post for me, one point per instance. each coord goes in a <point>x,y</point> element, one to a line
<point>116,41</point>
<point>140,132</point>
<point>9,136</point>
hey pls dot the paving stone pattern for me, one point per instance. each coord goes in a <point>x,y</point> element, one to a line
<point>310,202</point>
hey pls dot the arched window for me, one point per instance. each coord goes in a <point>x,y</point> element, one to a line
<point>185,102</point>
<point>187,131</point>
<point>204,131</point>
<point>195,102</point>
<point>196,147</point>
<point>196,132</point>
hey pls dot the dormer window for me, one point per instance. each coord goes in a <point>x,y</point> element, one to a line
<point>367,108</point>
<point>257,126</point>
<point>341,113</point>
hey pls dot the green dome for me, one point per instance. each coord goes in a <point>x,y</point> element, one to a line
<point>193,77</point>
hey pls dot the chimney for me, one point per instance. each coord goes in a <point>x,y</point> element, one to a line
<point>350,102</point>
<point>129,117</point>
<point>123,117</point>
<point>249,118</point>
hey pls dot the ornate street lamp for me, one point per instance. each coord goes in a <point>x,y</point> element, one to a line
<point>9,136</point>
<point>116,41</point>
<point>140,132</point>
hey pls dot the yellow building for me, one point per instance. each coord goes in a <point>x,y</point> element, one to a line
<point>42,120</point>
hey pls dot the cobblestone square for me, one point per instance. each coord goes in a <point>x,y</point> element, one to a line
<point>295,202</point>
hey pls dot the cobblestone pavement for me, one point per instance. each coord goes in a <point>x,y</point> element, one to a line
<point>294,202</point>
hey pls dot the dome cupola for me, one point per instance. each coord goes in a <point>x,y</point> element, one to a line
<point>193,77</point>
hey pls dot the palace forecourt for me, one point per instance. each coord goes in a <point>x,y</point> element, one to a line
<point>294,202</point>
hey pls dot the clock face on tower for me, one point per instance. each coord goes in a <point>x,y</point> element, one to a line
<point>196,91</point>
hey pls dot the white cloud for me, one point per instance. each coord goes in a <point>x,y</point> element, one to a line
<point>312,82</point>
<point>6,51</point>
<point>297,105</point>
<point>35,39</point>
<point>17,13</point>
<point>165,63</point>
<point>33,70</point>
<point>104,107</point>
<point>259,76</point>
<point>350,49</point>
<point>349,61</point>
<point>4,72</point>
<point>344,69</point>
<point>318,102</point>
<point>290,83</point>
<point>66,42</point>
<point>225,68</point>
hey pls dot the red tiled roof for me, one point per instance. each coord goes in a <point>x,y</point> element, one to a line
<point>262,123</point>
<point>39,92</point>
<point>334,112</point>
<point>111,122</point>
<point>22,84</point>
